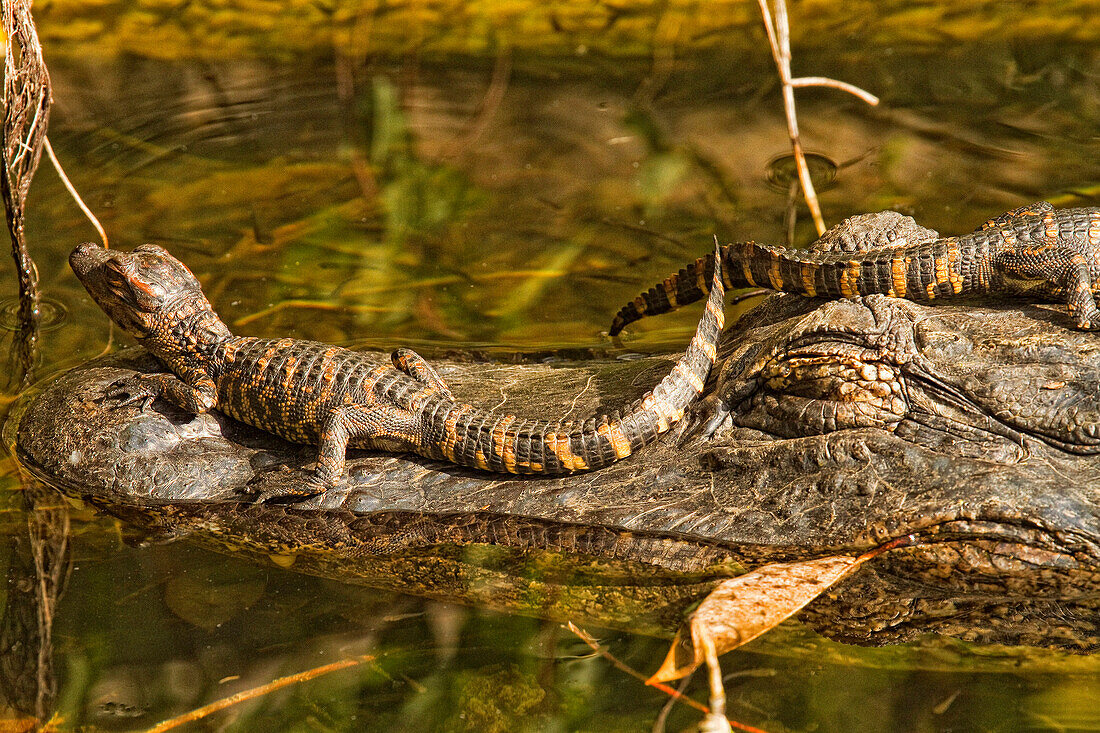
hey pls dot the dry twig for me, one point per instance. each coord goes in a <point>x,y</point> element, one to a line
<point>255,692</point>
<point>73,192</point>
<point>779,38</point>
<point>26,101</point>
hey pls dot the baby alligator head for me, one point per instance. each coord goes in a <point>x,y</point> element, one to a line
<point>980,382</point>
<point>149,293</point>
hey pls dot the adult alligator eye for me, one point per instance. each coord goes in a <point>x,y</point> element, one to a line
<point>811,395</point>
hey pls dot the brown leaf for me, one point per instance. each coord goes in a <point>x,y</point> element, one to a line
<point>740,609</point>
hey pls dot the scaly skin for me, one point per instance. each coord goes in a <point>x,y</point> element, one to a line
<point>1035,252</point>
<point>315,393</point>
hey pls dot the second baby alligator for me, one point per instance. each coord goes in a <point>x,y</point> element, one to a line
<point>1036,251</point>
<point>316,393</point>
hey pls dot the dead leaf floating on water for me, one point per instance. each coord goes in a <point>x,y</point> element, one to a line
<point>740,609</point>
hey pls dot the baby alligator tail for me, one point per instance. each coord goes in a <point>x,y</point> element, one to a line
<point>492,441</point>
<point>920,272</point>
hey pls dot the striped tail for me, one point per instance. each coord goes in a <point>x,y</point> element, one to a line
<point>504,443</point>
<point>686,286</point>
<point>921,272</point>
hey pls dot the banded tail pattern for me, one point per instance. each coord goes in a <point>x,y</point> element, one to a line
<point>490,441</point>
<point>920,272</point>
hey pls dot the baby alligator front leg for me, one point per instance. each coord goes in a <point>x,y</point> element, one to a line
<point>196,396</point>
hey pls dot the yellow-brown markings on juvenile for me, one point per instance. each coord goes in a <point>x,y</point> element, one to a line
<point>808,271</point>
<point>670,290</point>
<point>726,275</point>
<point>328,374</point>
<point>290,369</point>
<point>775,277</point>
<point>560,444</point>
<point>509,453</point>
<point>689,376</point>
<point>899,276</point>
<point>418,397</point>
<point>940,268</point>
<point>613,432</point>
<point>706,347</point>
<point>668,410</point>
<point>930,290</point>
<point>372,377</point>
<point>954,264</point>
<point>1051,227</point>
<point>1094,229</point>
<point>549,441</point>
<point>269,352</point>
<point>747,250</point>
<point>450,433</point>
<point>481,462</point>
<point>701,274</point>
<point>716,311</point>
<point>654,407</point>
<point>230,352</point>
<point>502,443</point>
<point>849,278</point>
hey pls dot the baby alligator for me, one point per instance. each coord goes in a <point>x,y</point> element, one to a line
<point>1035,251</point>
<point>318,394</point>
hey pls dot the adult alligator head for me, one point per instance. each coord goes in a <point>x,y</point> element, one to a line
<point>836,428</point>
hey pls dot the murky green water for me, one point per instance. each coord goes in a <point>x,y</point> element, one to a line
<point>509,188</point>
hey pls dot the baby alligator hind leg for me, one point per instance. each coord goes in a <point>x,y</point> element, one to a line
<point>387,425</point>
<point>1064,269</point>
<point>413,364</point>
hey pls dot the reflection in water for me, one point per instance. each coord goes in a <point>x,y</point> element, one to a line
<point>51,312</point>
<point>521,213</point>
<point>38,568</point>
<point>782,174</point>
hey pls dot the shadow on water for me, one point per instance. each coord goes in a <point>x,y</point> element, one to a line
<point>386,194</point>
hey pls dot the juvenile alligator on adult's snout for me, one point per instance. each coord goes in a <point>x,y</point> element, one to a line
<point>846,424</point>
<point>319,394</point>
<point>1035,252</point>
<point>838,426</point>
